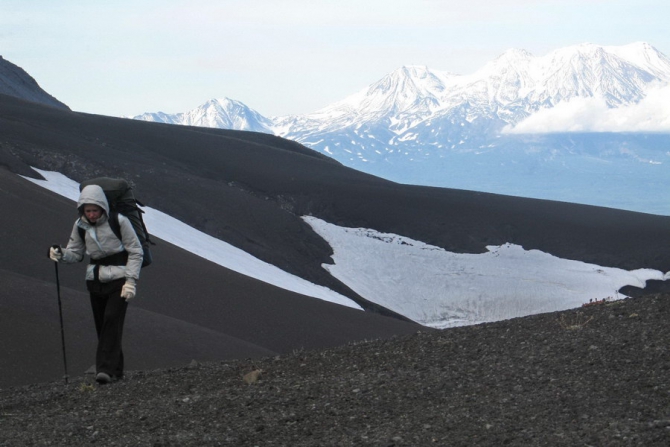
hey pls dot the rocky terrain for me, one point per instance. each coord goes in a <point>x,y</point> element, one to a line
<point>598,375</point>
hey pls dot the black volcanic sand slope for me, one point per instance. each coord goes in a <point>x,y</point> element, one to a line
<point>591,376</point>
<point>14,81</point>
<point>187,308</point>
<point>33,350</point>
<point>251,190</point>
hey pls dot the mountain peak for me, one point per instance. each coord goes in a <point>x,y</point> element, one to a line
<point>645,57</point>
<point>514,62</point>
<point>14,81</point>
<point>515,54</point>
<point>223,113</point>
<point>412,80</point>
<point>226,104</point>
<point>414,71</point>
<point>225,101</point>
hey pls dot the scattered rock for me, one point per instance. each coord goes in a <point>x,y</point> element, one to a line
<point>520,382</point>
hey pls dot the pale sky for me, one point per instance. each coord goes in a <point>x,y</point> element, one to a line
<point>123,57</point>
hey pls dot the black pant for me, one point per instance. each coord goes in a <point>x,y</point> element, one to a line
<point>109,313</point>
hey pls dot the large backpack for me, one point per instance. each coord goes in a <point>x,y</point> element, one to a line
<point>121,200</point>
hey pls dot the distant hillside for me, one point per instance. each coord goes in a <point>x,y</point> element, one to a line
<point>14,81</point>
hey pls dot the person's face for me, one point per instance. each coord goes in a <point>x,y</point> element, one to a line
<point>92,212</point>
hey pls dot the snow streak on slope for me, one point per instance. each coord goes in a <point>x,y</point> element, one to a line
<point>441,289</point>
<point>425,283</point>
<point>178,233</point>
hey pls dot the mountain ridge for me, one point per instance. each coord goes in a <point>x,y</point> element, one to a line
<point>528,71</point>
<point>426,127</point>
<point>14,81</point>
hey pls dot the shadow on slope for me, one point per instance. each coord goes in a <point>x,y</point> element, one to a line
<point>187,308</point>
<point>30,316</point>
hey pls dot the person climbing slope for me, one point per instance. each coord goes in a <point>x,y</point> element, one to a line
<point>111,276</point>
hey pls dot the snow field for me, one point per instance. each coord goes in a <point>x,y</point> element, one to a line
<point>441,289</point>
<point>425,283</point>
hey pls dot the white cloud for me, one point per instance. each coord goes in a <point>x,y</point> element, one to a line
<point>652,114</point>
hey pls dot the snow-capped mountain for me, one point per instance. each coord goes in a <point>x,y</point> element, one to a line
<point>440,110</point>
<point>221,113</point>
<point>422,126</point>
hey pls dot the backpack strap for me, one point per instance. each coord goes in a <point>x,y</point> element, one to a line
<point>113,221</point>
<point>140,211</point>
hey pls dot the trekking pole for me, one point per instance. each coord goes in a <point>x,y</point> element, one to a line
<point>60,312</point>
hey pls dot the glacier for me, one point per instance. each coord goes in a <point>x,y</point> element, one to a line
<point>441,289</point>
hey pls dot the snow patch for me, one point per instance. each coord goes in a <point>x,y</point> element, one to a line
<point>178,233</point>
<point>442,289</point>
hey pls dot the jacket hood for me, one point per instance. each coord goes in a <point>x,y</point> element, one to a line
<point>93,195</point>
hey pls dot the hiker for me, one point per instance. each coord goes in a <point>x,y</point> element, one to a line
<point>111,276</point>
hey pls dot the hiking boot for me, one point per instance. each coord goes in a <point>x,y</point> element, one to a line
<point>103,378</point>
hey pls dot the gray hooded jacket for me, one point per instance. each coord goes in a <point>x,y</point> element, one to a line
<point>100,241</point>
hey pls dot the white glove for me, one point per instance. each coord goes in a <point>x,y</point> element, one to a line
<point>128,290</point>
<point>55,253</point>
